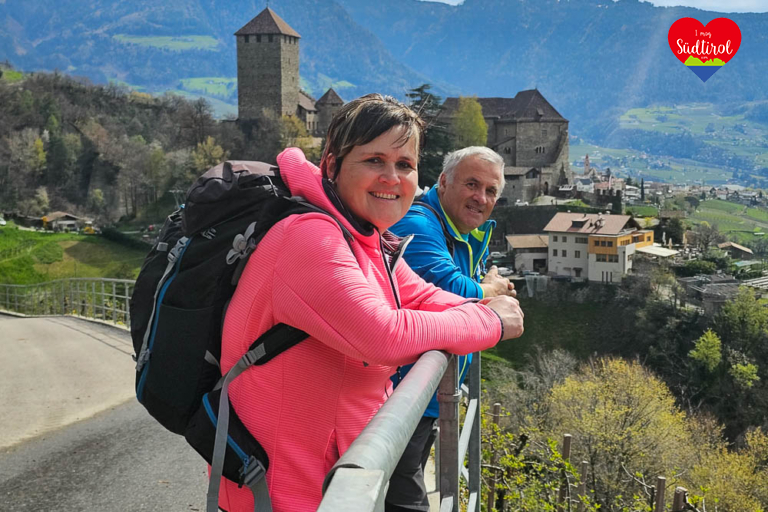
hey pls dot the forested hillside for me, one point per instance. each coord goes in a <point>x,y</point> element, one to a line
<point>66,144</point>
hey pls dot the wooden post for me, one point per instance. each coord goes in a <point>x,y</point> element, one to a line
<point>661,485</point>
<point>563,494</point>
<point>583,485</point>
<point>494,460</point>
<point>681,498</point>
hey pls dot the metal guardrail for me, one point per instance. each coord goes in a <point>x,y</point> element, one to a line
<point>359,480</point>
<point>97,298</point>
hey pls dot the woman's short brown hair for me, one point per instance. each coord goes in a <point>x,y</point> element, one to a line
<point>362,120</point>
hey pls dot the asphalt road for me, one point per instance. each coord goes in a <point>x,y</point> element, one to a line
<point>120,460</point>
<point>73,437</point>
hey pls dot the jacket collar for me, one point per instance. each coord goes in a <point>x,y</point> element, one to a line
<point>478,234</point>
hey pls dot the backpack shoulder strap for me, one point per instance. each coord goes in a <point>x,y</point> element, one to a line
<point>448,238</point>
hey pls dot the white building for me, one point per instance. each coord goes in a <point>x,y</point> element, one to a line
<point>594,247</point>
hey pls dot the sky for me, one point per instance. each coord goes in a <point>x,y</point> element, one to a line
<point>707,5</point>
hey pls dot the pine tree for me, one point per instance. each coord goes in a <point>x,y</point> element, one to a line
<point>438,140</point>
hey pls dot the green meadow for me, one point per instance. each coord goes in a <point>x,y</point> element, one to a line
<point>174,43</point>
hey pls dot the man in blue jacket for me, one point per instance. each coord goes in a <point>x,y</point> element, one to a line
<point>451,234</point>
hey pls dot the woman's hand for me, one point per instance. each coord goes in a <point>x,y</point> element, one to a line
<point>510,313</point>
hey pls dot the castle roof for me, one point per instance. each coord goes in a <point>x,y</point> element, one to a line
<point>331,98</point>
<point>525,106</point>
<point>307,102</point>
<point>267,22</point>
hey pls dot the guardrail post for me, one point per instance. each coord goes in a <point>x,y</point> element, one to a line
<point>127,309</point>
<point>114,302</point>
<point>475,453</point>
<point>93,299</point>
<point>448,395</point>
<point>103,309</point>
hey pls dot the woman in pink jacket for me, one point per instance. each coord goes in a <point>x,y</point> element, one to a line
<point>365,311</point>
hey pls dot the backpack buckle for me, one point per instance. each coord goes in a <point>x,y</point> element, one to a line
<point>252,472</point>
<point>173,254</point>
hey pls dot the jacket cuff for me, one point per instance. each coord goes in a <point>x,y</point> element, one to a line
<point>501,323</point>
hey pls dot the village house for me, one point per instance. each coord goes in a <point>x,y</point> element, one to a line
<point>736,251</point>
<point>711,292</point>
<point>594,247</point>
<point>530,252</point>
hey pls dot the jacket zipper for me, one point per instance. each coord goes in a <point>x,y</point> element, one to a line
<point>389,273</point>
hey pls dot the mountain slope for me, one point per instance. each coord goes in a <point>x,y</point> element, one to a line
<point>98,38</point>
<point>590,58</point>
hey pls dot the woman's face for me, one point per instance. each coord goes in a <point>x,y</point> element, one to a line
<point>378,180</point>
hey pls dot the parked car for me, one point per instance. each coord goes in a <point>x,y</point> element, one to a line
<point>530,273</point>
<point>504,271</point>
<point>497,255</point>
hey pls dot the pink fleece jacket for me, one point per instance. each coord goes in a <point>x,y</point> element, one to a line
<point>307,405</point>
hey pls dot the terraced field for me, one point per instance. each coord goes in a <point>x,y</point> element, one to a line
<point>738,221</point>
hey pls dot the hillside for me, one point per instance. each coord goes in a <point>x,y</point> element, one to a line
<point>686,143</point>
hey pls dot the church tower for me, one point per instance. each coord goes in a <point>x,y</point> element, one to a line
<point>267,66</point>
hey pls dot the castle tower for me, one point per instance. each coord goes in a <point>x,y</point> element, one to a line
<point>267,66</point>
<point>327,106</point>
<point>586,165</point>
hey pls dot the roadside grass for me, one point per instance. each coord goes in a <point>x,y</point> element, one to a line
<point>174,43</point>
<point>63,255</point>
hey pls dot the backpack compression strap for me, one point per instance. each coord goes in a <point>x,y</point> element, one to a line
<point>275,341</point>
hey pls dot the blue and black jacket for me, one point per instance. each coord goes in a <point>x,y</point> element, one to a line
<point>429,256</point>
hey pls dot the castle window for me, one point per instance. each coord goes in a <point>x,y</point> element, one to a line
<point>258,38</point>
<point>270,38</point>
<point>246,39</point>
<point>554,252</point>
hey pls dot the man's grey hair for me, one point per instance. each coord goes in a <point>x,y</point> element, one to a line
<point>452,160</point>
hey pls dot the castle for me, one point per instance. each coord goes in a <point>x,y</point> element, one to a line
<point>526,130</point>
<point>531,136</point>
<point>268,75</point>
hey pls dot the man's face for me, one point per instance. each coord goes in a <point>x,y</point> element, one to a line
<point>470,195</point>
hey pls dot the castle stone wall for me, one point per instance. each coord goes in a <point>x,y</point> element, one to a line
<point>268,74</point>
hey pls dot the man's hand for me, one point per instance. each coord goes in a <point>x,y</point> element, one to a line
<point>494,285</point>
<point>510,313</point>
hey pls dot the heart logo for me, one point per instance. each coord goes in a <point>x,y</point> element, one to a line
<point>704,49</point>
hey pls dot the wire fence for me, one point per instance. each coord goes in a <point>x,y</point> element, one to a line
<point>98,298</point>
